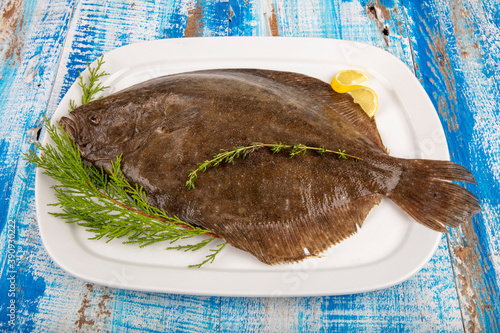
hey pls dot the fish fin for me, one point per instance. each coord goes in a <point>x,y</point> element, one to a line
<point>334,103</point>
<point>426,193</point>
<point>168,124</point>
<point>293,240</point>
<point>179,120</point>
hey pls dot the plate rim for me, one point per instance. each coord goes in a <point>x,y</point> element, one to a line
<point>181,280</point>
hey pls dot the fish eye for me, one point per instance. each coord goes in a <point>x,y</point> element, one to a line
<point>94,118</point>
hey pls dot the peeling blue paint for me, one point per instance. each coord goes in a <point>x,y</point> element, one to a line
<point>30,284</point>
<point>240,22</point>
<point>8,273</point>
<point>175,24</point>
<point>466,93</point>
<point>6,179</point>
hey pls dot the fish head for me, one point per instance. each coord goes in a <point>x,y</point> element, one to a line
<point>100,129</point>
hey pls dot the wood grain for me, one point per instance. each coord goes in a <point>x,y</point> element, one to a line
<point>452,47</point>
<point>452,66</point>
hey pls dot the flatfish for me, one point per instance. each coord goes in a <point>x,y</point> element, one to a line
<point>279,209</point>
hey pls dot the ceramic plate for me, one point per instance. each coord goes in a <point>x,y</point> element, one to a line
<point>388,249</point>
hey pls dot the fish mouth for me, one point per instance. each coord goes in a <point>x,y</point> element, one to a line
<point>69,126</point>
<point>76,134</point>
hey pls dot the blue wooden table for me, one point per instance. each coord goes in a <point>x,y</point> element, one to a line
<point>453,48</point>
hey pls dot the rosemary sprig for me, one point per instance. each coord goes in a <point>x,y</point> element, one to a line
<point>107,204</point>
<point>228,156</point>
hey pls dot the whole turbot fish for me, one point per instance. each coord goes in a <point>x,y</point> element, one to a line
<point>280,209</point>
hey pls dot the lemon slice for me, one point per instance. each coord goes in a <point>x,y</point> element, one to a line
<point>347,80</point>
<point>366,98</point>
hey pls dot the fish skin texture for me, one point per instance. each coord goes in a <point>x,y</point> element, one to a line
<point>280,209</point>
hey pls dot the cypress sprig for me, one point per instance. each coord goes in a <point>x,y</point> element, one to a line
<point>106,204</point>
<point>228,156</point>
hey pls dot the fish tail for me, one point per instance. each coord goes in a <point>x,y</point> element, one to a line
<point>426,193</point>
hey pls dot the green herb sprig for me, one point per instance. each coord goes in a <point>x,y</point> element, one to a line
<point>106,204</point>
<point>94,86</point>
<point>228,156</point>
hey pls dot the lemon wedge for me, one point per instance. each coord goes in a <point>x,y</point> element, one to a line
<point>366,98</point>
<point>347,80</point>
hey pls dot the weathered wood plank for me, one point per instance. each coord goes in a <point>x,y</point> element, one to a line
<point>31,40</point>
<point>456,55</point>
